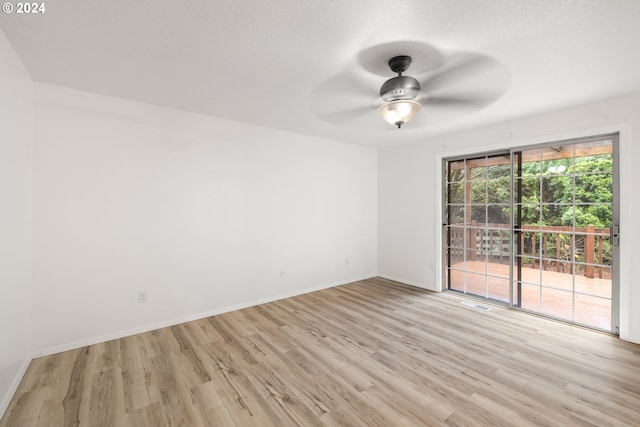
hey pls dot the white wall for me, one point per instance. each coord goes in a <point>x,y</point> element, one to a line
<point>16,143</point>
<point>409,194</point>
<point>200,213</point>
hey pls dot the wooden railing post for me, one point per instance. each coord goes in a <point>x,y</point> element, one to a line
<point>600,256</point>
<point>472,242</point>
<point>589,251</point>
<point>558,236</point>
<point>543,250</point>
<point>533,249</point>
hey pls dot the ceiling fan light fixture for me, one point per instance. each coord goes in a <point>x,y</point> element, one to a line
<point>399,112</point>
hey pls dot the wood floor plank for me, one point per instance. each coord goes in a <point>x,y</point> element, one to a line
<point>75,395</point>
<point>211,406</point>
<point>176,397</point>
<point>28,407</point>
<point>153,414</point>
<point>399,412</point>
<point>374,352</point>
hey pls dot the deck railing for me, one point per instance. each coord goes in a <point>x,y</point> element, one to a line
<point>586,249</point>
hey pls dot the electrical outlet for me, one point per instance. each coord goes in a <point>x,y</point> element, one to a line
<point>346,262</point>
<point>142,297</point>
<point>283,273</point>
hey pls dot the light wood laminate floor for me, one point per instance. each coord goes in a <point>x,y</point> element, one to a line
<point>370,353</point>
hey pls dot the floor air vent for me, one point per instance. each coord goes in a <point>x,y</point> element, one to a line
<point>474,305</point>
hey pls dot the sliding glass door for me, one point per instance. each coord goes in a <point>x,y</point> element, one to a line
<point>535,228</point>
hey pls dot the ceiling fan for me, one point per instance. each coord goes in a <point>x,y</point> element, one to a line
<point>399,93</point>
<point>444,86</point>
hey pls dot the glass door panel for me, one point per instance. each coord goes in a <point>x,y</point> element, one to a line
<point>478,233</point>
<point>563,213</point>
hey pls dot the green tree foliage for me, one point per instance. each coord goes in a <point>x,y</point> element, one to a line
<point>561,192</point>
<point>579,190</point>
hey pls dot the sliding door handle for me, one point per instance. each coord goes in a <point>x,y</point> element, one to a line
<point>614,235</point>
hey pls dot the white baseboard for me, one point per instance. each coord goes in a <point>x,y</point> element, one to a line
<point>121,334</point>
<point>6,400</point>
<point>408,282</point>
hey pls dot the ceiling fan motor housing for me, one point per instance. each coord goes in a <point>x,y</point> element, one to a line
<point>401,87</point>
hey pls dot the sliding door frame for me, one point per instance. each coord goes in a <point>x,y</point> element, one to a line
<point>515,240</point>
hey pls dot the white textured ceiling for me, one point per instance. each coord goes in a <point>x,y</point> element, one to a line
<point>299,65</point>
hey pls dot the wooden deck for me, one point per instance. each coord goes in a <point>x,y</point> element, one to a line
<point>591,305</point>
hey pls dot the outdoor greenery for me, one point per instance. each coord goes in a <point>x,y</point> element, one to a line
<point>567,192</point>
<point>554,192</point>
